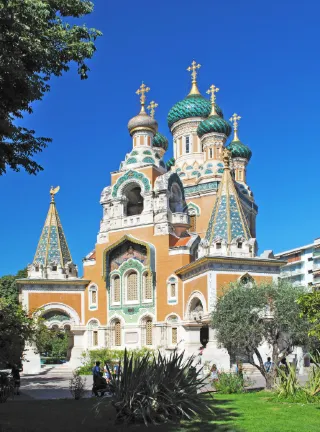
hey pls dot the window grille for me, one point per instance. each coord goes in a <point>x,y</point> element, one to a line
<point>149,332</point>
<point>117,333</point>
<point>193,223</point>
<point>132,286</point>
<point>147,286</point>
<point>187,144</point>
<point>94,296</point>
<point>173,290</point>
<point>174,335</point>
<point>116,289</point>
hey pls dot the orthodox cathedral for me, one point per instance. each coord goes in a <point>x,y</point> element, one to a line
<point>172,236</point>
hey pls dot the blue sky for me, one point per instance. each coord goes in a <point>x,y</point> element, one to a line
<point>264,58</point>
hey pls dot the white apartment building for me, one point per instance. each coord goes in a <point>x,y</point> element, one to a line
<point>303,265</point>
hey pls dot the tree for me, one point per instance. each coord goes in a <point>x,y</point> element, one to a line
<point>248,315</point>
<point>310,309</point>
<point>8,286</point>
<point>37,42</point>
<point>16,327</point>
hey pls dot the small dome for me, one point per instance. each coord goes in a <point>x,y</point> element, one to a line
<point>214,123</point>
<point>238,149</point>
<point>142,121</point>
<point>161,141</point>
<point>194,105</point>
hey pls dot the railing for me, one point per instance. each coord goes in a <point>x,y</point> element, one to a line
<point>178,218</point>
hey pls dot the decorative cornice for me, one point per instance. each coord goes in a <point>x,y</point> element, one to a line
<point>68,282</point>
<point>227,261</point>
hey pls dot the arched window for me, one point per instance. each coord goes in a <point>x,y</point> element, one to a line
<point>116,296</point>
<point>172,290</point>
<point>93,333</point>
<point>187,144</point>
<point>174,335</point>
<point>193,223</point>
<point>172,330</point>
<point>210,153</point>
<point>134,200</point>
<point>117,333</point>
<point>149,332</point>
<point>196,309</point>
<point>247,280</point>
<point>132,286</point>
<point>175,199</point>
<point>93,297</point>
<point>147,286</point>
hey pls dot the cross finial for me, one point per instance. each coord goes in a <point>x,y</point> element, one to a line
<point>142,90</point>
<point>235,119</point>
<point>152,107</point>
<point>212,91</point>
<point>194,66</point>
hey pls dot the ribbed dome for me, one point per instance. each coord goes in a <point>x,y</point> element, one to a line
<point>142,120</point>
<point>192,106</point>
<point>213,124</point>
<point>238,149</point>
<point>160,140</point>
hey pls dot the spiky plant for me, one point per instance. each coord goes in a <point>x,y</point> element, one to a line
<point>288,384</point>
<point>157,389</point>
<point>313,384</point>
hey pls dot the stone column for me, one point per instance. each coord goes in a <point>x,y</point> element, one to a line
<point>78,348</point>
<point>213,354</point>
<point>31,363</point>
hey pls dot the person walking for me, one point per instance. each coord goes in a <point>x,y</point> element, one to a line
<point>214,373</point>
<point>106,371</point>
<point>96,372</point>
<point>15,372</point>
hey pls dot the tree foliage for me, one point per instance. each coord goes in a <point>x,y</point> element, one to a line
<point>37,41</point>
<point>16,327</point>
<point>8,286</point>
<point>310,309</point>
<point>246,316</point>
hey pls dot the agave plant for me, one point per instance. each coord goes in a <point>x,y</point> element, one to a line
<point>288,384</point>
<point>157,389</point>
<point>313,384</point>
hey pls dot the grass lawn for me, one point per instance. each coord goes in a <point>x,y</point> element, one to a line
<point>251,412</point>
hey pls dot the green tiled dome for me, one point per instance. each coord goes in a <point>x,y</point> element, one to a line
<point>214,123</point>
<point>160,140</point>
<point>191,106</point>
<point>238,149</point>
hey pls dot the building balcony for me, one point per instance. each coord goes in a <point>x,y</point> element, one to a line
<point>288,275</point>
<point>179,219</point>
<point>298,263</point>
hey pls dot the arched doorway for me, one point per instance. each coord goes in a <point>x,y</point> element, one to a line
<point>58,342</point>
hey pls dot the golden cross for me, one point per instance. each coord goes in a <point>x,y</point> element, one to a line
<point>194,66</point>
<point>142,91</point>
<point>234,119</point>
<point>212,91</point>
<point>152,107</point>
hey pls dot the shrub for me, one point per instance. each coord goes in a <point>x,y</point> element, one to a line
<point>77,385</point>
<point>89,357</point>
<point>312,386</point>
<point>229,383</point>
<point>6,387</point>
<point>157,389</point>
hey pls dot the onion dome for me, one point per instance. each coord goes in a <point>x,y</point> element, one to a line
<point>142,121</point>
<point>237,148</point>
<point>215,123</point>
<point>191,106</point>
<point>212,124</point>
<point>161,141</point>
<point>194,105</point>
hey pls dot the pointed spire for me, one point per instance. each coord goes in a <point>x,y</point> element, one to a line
<point>194,89</point>
<point>235,120</point>
<point>212,91</point>
<point>227,222</point>
<point>52,247</point>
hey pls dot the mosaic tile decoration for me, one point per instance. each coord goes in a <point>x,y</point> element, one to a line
<point>52,247</point>
<point>227,221</point>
